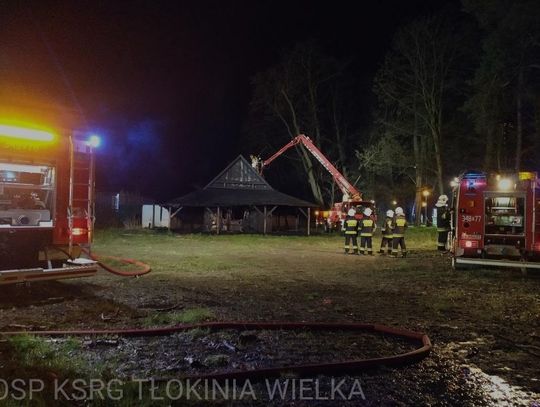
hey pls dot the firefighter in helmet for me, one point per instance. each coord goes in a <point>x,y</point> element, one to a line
<point>399,225</point>
<point>443,222</point>
<point>367,227</point>
<point>386,242</point>
<point>350,226</point>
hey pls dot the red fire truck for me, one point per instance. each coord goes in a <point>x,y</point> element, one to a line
<point>351,196</point>
<point>496,220</point>
<point>46,203</point>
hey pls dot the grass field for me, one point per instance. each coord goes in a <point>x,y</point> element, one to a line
<point>485,319</point>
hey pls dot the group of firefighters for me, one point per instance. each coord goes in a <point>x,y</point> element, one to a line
<point>393,230</point>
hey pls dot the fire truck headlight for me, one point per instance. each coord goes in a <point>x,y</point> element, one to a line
<point>94,141</point>
<point>505,184</point>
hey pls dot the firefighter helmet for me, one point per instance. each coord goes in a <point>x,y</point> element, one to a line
<point>399,211</point>
<point>390,213</point>
<point>442,201</point>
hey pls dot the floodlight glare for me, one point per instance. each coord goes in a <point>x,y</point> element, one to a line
<point>505,184</point>
<point>24,133</point>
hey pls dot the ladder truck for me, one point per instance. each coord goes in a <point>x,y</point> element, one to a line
<point>352,197</point>
<point>46,203</point>
<point>496,220</point>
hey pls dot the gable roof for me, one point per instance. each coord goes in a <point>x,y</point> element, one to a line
<point>239,174</point>
<point>238,184</point>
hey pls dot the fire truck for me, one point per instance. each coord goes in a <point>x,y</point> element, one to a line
<point>46,203</point>
<point>496,220</point>
<point>331,218</point>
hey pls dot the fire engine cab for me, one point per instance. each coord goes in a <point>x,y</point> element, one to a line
<point>496,220</point>
<point>46,203</point>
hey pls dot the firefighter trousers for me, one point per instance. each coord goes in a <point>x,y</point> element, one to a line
<point>386,243</point>
<point>442,236</point>
<point>366,244</point>
<point>348,246</point>
<point>399,242</point>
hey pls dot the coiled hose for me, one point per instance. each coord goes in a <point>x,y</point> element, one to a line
<point>344,367</point>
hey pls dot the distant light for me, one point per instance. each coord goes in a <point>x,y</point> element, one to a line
<point>94,141</point>
<point>424,204</point>
<point>455,182</point>
<point>394,202</point>
<point>25,134</point>
<point>425,192</point>
<point>505,184</point>
<point>316,213</point>
<point>468,243</point>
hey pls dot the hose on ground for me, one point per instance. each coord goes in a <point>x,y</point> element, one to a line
<point>334,368</point>
<point>144,268</point>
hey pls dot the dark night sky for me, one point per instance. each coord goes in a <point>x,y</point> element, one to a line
<point>167,82</point>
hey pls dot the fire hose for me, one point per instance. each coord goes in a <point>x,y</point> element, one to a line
<point>144,268</point>
<point>350,366</point>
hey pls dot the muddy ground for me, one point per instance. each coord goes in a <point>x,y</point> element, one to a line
<point>484,324</point>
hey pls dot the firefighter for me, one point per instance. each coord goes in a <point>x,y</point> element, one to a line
<point>367,227</point>
<point>399,225</point>
<point>443,222</point>
<point>386,242</point>
<point>350,226</point>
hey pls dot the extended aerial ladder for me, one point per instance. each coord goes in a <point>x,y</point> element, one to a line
<point>348,190</point>
<point>351,195</point>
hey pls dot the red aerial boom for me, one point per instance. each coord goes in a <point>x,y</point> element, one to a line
<point>349,191</point>
<point>352,197</point>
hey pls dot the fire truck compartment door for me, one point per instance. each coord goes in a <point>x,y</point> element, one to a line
<point>24,217</point>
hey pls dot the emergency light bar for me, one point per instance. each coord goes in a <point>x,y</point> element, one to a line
<point>22,133</point>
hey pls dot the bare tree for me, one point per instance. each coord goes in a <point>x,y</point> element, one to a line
<point>299,95</point>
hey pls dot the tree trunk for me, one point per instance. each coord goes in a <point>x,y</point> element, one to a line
<point>312,178</point>
<point>304,155</point>
<point>418,180</point>
<point>519,120</point>
<point>489,155</point>
<point>438,160</point>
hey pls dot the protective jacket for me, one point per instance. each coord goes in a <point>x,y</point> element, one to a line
<point>387,228</point>
<point>367,226</point>
<point>399,225</point>
<point>351,225</point>
<point>443,219</point>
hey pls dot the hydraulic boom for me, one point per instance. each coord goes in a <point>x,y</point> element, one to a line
<point>348,190</point>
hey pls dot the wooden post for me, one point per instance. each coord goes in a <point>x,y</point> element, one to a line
<point>264,224</point>
<point>308,221</point>
<point>218,220</point>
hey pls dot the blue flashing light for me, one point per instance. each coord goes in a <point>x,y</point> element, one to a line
<point>94,141</point>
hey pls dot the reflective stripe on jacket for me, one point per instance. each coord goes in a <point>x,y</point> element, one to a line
<point>366,227</point>
<point>351,226</point>
<point>399,225</point>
